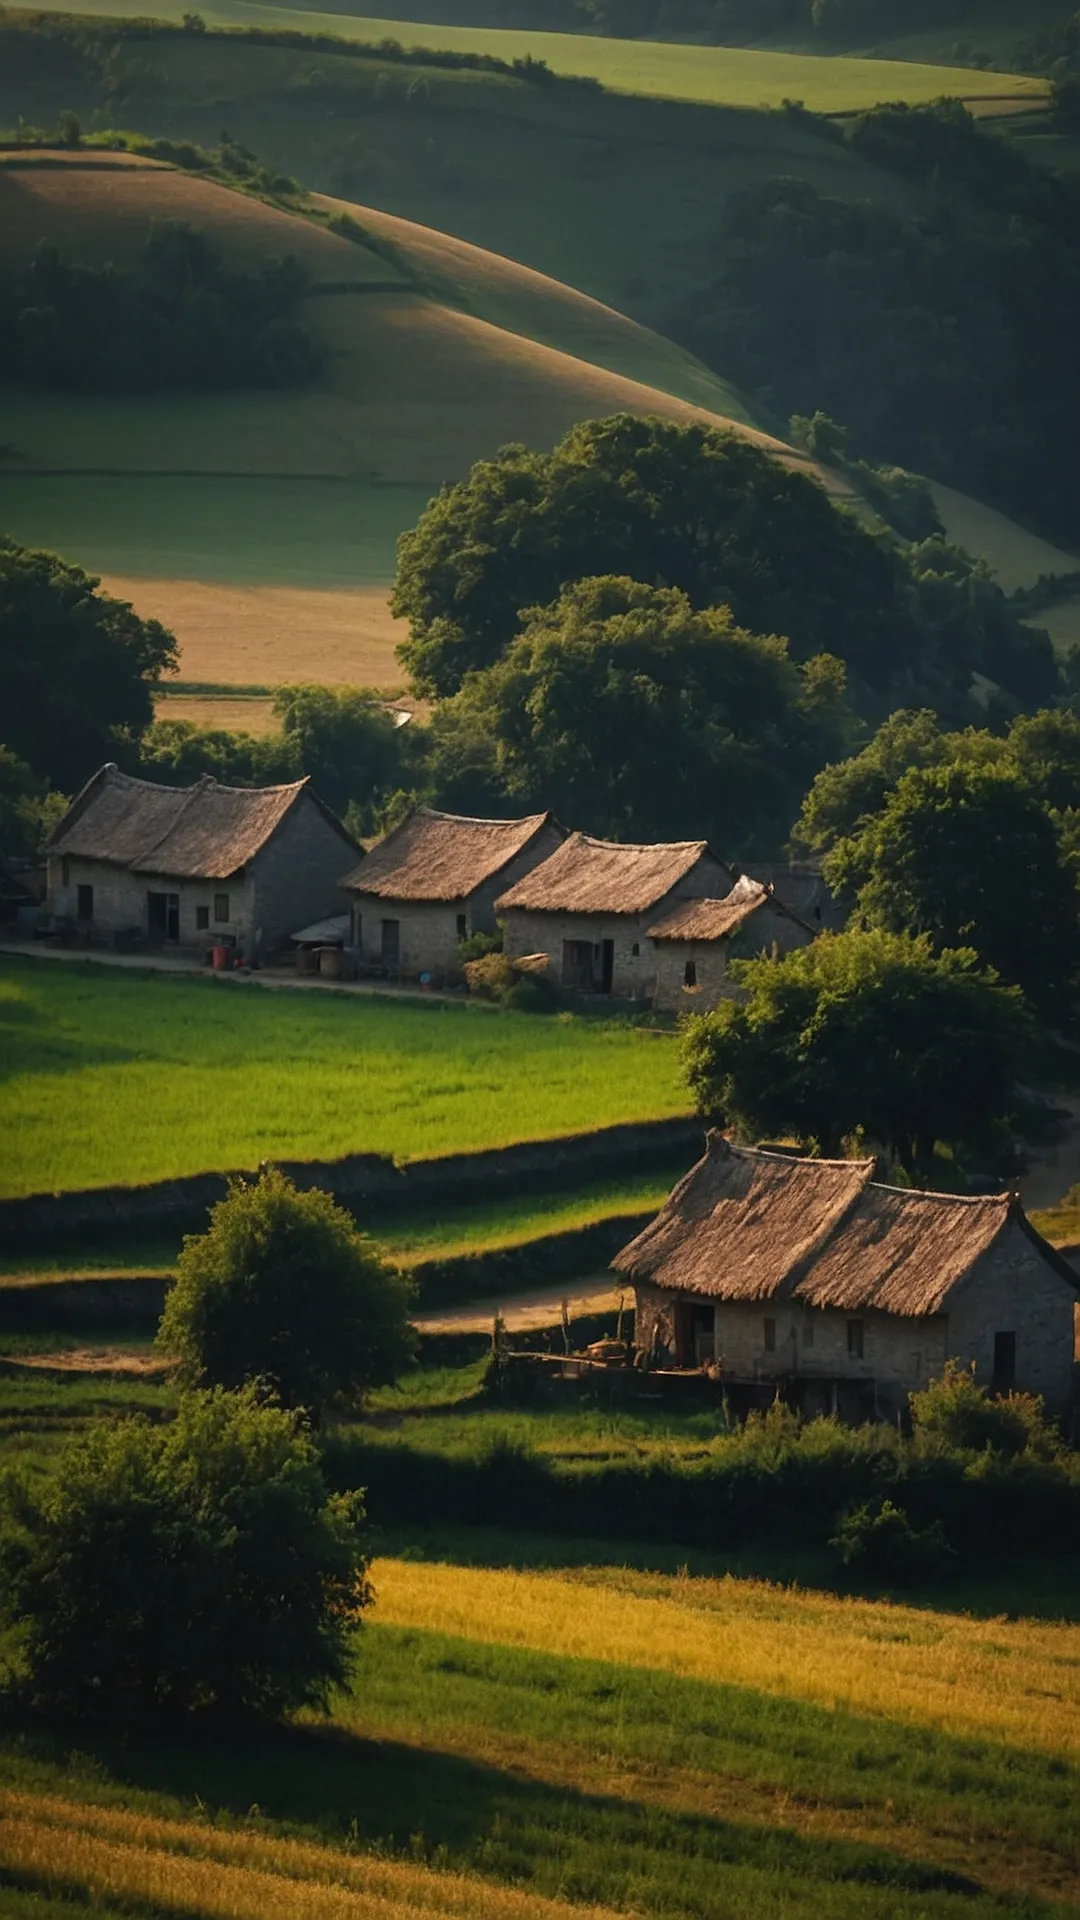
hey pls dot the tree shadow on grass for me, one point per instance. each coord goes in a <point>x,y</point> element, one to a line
<point>457,1812</point>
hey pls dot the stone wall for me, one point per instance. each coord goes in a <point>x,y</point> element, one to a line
<point>364,1181</point>
<point>298,874</point>
<point>1015,1290</point>
<point>120,900</point>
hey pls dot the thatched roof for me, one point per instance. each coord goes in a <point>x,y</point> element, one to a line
<point>746,1224</point>
<point>714,919</point>
<point>204,832</point>
<point>443,856</point>
<point>605,876</point>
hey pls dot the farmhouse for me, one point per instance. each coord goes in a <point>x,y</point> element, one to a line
<point>693,941</point>
<point>591,905</point>
<point>194,866</point>
<point>433,881</point>
<point>811,1275</point>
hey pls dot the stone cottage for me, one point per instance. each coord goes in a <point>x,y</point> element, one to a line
<point>196,866</point>
<point>692,943</point>
<point>433,882</point>
<point>812,1276</point>
<point>590,907</point>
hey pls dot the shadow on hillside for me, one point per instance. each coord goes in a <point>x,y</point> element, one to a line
<point>454,1811</point>
<point>1022,1588</point>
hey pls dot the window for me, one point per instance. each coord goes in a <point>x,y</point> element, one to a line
<point>770,1335</point>
<point>85,908</point>
<point>65,872</point>
<point>855,1339</point>
<point>462,926</point>
<point>357,928</point>
<point>635,949</point>
<point>202,919</point>
<point>808,1333</point>
<point>221,906</point>
<point>690,974</point>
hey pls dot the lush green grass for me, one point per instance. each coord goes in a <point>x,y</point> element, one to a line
<point>113,1076</point>
<point>426,1234</point>
<point>715,75</point>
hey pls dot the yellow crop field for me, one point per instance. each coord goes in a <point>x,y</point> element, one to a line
<point>1017,1680</point>
<point>191,1867</point>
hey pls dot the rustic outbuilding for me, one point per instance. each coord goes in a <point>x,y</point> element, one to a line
<point>590,906</point>
<point>813,1277</point>
<point>694,940</point>
<point>432,882</point>
<point>198,866</point>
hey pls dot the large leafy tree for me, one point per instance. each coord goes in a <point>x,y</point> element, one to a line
<point>634,715</point>
<point>862,1033</point>
<point>967,855</point>
<point>692,507</point>
<point>193,1566</point>
<point>77,668</point>
<point>283,1288</point>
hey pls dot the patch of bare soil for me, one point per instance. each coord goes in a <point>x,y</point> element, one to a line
<point>141,1362</point>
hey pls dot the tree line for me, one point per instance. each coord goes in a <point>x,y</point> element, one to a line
<point>180,318</point>
<point>941,336</point>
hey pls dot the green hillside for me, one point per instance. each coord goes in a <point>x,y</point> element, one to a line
<point>721,76</point>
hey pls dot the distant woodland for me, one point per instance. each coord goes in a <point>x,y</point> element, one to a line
<point>179,318</point>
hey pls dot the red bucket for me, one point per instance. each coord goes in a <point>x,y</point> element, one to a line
<point>220,957</point>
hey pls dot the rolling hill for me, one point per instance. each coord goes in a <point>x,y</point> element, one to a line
<point>261,525</point>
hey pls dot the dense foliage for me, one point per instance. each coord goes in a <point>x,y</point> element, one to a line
<point>941,335</point>
<point>717,516</point>
<point>862,1034</point>
<point>193,1566</point>
<point>282,1288</point>
<point>180,317</point>
<point>633,715</point>
<point>968,837</point>
<point>77,668</point>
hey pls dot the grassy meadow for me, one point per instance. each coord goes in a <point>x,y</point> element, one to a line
<point>222,1075</point>
<point>716,76</point>
<point>590,1741</point>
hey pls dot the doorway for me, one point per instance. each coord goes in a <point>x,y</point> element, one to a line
<point>163,916</point>
<point>695,1334</point>
<point>1004,1379</point>
<point>607,965</point>
<point>390,946</point>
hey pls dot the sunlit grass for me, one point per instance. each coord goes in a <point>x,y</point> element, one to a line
<point>1004,1680</point>
<point>121,1077</point>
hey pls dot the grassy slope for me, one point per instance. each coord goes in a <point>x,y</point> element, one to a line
<point>262,527</point>
<point>712,75</point>
<point>222,1075</point>
<point>663,1745</point>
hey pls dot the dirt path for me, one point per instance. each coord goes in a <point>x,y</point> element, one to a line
<point>140,1362</point>
<point>525,1312</point>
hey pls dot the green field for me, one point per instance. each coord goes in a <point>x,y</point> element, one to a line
<point>720,76</point>
<point>111,1076</point>
<point>590,1741</point>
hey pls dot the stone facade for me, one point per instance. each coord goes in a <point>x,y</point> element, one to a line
<point>624,960</point>
<point>428,932</point>
<point>692,975</point>
<point>293,879</point>
<point>1012,1291</point>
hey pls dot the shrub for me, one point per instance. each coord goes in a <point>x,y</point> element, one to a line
<point>168,1570</point>
<point>284,1288</point>
<point>491,976</point>
<point>479,945</point>
<point>956,1413</point>
<point>880,1542</point>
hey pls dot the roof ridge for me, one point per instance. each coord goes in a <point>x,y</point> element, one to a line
<point>639,846</point>
<point>934,1193</point>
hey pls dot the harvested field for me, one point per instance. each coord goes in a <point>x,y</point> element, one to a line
<point>269,636</point>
